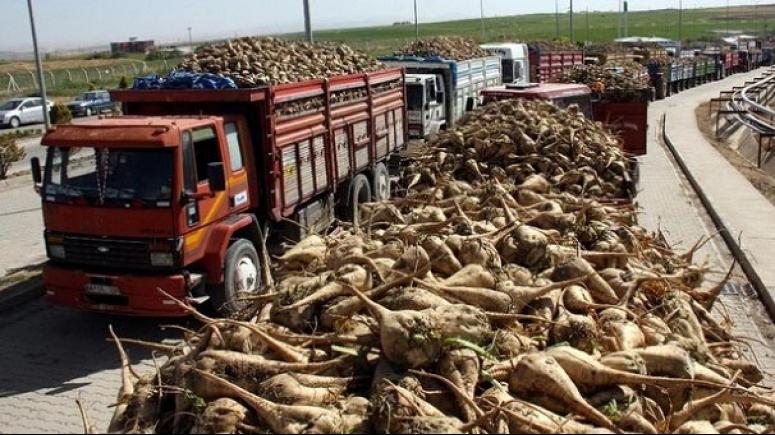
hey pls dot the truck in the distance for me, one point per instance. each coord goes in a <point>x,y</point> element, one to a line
<point>440,91</point>
<point>515,60</point>
<point>176,194</point>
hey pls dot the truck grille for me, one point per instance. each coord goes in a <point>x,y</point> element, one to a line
<point>107,252</point>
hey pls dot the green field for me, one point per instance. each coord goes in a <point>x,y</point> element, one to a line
<point>698,24</point>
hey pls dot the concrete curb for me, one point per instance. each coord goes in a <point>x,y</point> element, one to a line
<point>737,252</point>
<point>21,293</point>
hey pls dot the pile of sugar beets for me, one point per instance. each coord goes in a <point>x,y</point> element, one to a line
<point>508,290</point>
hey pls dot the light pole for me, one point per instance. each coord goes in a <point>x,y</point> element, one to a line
<point>307,22</point>
<point>572,32</point>
<point>620,18</point>
<point>557,19</point>
<point>416,22</point>
<point>481,10</point>
<point>39,65</point>
<point>190,39</point>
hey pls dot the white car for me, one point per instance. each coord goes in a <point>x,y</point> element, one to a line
<point>19,111</point>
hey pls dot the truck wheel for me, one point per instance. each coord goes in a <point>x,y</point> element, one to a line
<point>381,183</point>
<point>360,193</point>
<point>88,111</point>
<point>242,275</point>
<point>15,123</point>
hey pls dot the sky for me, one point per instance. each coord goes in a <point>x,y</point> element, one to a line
<point>73,24</point>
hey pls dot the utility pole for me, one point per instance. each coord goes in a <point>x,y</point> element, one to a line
<point>39,65</point>
<point>620,19</point>
<point>680,20</point>
<point>308,22</point>
<point>587,37</point>
<point>572,32</point>
<point>190,39</point>
<point>727,17</point>
<point>481,9</point>
<point>416,22</point>
<point>556,19</point>
<point>626,19</point>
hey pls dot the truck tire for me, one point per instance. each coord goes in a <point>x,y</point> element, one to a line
<point>14,123</point>
<point>381,183</point>
<point>359,193</point>
<point>242,274</point>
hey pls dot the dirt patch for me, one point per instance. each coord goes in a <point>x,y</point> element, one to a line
<point>763,181</point>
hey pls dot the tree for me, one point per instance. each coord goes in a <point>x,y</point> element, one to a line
<point>10,152</point>
<point>60,114</point>
<point>123,83</point>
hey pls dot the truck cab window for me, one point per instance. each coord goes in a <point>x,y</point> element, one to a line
<point>206,151</point>
<point>235,150</point>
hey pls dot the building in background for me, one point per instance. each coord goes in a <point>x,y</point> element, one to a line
<point>132,46</point>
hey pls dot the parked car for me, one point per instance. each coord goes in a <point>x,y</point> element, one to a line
<point>19,111</point>
<point>91,103</point>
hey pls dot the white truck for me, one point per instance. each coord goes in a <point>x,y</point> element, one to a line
<point>440,91</point>
<point>515,61</point>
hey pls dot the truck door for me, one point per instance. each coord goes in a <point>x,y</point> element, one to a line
<point>200,148</point>
<point>241,183</point>
<point>439,100</point>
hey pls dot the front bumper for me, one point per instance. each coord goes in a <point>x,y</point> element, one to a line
<point>139,295</point>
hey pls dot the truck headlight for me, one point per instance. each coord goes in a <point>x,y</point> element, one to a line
<point>162,259</point>
<point>57,251</point>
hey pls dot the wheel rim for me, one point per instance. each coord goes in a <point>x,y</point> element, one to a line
<point>14,123</point>
<point>383,188</point>
<point>88,112</point>
<point>246,276</point>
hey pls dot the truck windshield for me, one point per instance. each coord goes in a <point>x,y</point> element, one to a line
<point>415,96</point>
<point>109,177</point>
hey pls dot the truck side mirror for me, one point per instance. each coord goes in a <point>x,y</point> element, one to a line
<point>216,177</point>
<point>37,174</point>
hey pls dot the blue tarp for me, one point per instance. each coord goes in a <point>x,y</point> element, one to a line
<point>184,80</point>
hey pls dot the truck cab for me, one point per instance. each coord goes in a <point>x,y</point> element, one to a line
<point>426,111</point>
<point>133,204</point>
<point>515,61</point>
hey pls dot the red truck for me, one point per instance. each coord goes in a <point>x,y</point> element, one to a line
<point>545,65</point>
<point>177,194</point>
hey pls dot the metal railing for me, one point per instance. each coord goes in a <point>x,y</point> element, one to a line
<point>750,106</point>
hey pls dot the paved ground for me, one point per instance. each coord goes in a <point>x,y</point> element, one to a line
<point>51,356</point>
<point>670,204</point>
<point>743,208</point>
<point>21,225</point>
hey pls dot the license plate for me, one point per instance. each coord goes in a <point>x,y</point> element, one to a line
<point>102,290</point>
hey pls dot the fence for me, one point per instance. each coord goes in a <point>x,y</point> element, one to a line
<point>65,81</point>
